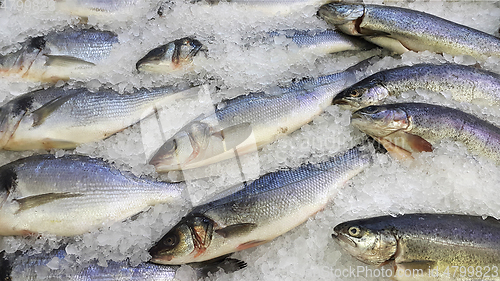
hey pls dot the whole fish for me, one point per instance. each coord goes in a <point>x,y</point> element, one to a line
<point>72,195</point>
<point>104,8</point>
<point>415,127</point>
<point>172,56</point>
<point>29,268</point>
<point>463,83</point>
<point>246,123</point>
<point>261,211</point>
<point>402,30</point>
<point>323,41</point>
<point>430,246</point>
<point>59,54</point>
<point>66,118</point>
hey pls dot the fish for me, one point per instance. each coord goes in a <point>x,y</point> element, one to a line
<point>258,211</point>
<point>401,30</point>
<point>31,267</point>
<point>323,41</point>
<point>170,57</point>
<point>416,127</point>
<point>99,8</point>
<point>73,194</point>
<point>246,123</point>
<point>65,118</point>
<point>59,55</point>
<point>462,83</point>
<point>429,246</point>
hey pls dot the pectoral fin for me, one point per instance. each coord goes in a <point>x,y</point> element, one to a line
<point>418,144</point>
<point>251,244</point>
<point>43,112</point>
<point>66,61</point>
<point>37,200</point>
<point>236,229</point>
<point>235,135</point>
<point>394,150</point>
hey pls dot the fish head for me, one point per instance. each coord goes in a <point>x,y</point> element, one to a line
<point>380,120</point>
<point>184,243</point>
<point>11,115</point>
<point>184,147</point>
<point>21,60</point>
<point>361,95</point>
<point>343,16</point>
<point>170,57</point>
<point>369,245</point>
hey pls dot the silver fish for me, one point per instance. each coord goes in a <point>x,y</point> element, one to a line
<point>429,246</point>
<point>414,127</point>
<point>72,195</point>
<point>274,6</point>
<point>170,57</point>
<point>323,41</point>
<point>66,118</point>
<point>463,83</point>
<point>247,123</point>
<point>261,211</point>
<point>402,30</point>
<point>104,8</point>
<point>59,54</point>
<point>39,267</point>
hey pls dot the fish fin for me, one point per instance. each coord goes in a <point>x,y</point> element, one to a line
<point>375,33</point>
<point>225,263</point>
<point>65,61</point>
<point>423,265</point>
<point>50,143</point>
<point>417,143</point>
<point>235,229</point>
<point>250,244</point>
<point>40,114</point>
<point>235,135</point>
<point>37,200</point>
<point>394,150</point>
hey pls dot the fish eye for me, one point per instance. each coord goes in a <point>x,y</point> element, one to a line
<point>171,146</point>
<point>170,241</point>
<point>356,93</point>
<point>354,231</point>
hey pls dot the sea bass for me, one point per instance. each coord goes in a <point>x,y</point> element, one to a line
<point>261,211</point>
<point>53,266</point>
<point>73,194</point>
<point>322,41</point>
<point>59,54</point>
<point>66,118</point>
<point>415,127</point>
<point>170,57</point>
<point>429,246</point>
<point>402,30</point>
<point>246,123</point>
<point>462,83</point>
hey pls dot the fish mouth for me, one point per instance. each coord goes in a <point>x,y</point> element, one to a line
<point>340,238</point>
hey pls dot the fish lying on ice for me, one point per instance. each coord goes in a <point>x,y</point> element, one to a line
<point>414,127</point>
<point>170,57</point>
<point>429,246</point>
<point>246,123</point>
<point>323,41</point>
<point>261,211</point>
<point>73,194</point>
<point>46,266</point>
<point>66,118</point>
<point>273,7</point>
<point>101,8</point>
<point>402,30</point>
<point>462,83</point>
<point>59,54</point>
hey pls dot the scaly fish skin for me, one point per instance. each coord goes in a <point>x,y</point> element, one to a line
<point>66,118</point>
<point>28,268</point>
<point>59,54</point>
<point>402,30</point>
<point>426,244</point>
<point>415,127</point>
<point>72,195</point>
<point>261,211</point>
<point>464,83</point>
<point>170,57</point>
<point>246,123</point>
